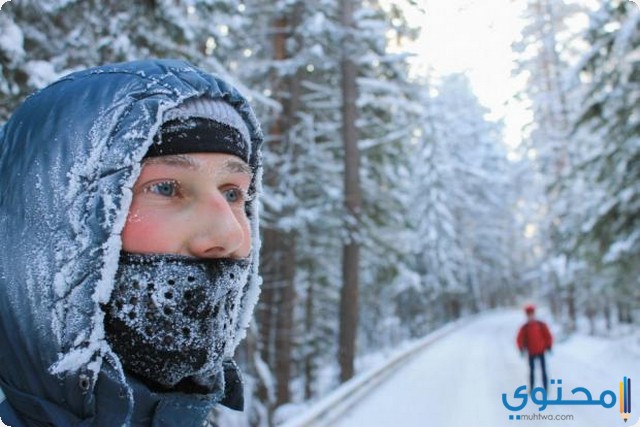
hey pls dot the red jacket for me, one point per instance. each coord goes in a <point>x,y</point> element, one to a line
<point>534,336</point>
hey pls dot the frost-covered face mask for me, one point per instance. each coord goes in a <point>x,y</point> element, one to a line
<point>173,317</point>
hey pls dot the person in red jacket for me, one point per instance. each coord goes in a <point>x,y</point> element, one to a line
<point>534,337</point>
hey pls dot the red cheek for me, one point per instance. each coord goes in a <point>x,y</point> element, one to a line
<point>143,234</point>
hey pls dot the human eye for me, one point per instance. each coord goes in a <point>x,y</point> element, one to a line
<point>164,188</point>
<point>235,195</point>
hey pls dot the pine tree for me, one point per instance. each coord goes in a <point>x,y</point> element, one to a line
<point>546,50</point>
<point>607,135</point>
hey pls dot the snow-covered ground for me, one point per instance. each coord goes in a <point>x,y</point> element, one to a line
<point>459,380</point>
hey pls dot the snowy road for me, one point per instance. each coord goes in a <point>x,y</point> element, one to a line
<point>459,381</point>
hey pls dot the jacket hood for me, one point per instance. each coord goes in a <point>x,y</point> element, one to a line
<point>69,157</point>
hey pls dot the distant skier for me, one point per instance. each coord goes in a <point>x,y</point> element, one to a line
<point>534,337</point>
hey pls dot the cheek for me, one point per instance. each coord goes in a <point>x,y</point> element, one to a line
<point>144,233</point>
<point>246,231</point>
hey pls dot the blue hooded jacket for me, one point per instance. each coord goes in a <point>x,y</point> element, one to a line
<point>69,157</point>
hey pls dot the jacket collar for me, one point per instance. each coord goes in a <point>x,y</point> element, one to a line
<point>164,409</point>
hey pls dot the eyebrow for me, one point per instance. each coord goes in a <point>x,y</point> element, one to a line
<point>186,161</point>
<point>235,166</point>
<point>178,160</point>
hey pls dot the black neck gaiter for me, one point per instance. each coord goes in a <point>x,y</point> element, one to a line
<point>172,318</point>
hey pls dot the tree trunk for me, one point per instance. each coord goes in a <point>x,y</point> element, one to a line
<point>284,324</point>
<point>351,248</point>
<point>571,308</point>
<point>309,365</point>
<point>287,91</point>
<point>606,311</point>
<point>591,316</point>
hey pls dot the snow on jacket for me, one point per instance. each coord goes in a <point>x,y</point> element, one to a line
<point>534,336</point>
<point>69,157</point>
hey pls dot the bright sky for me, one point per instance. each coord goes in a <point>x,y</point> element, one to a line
<point>471,37</point>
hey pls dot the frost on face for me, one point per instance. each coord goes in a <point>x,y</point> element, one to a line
<point>171,317</point>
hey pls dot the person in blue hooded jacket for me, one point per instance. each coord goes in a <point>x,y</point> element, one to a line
<point>129,224</point>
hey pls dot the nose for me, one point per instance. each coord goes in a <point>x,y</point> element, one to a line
<point>219,231</point>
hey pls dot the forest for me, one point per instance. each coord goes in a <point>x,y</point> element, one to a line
<point>391,203</point>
